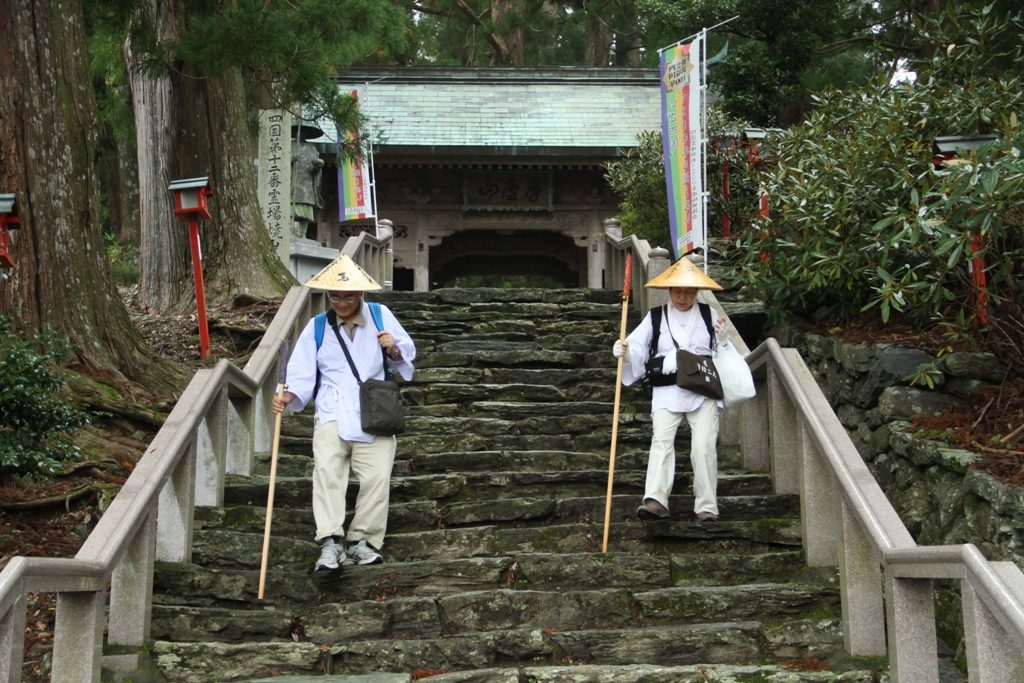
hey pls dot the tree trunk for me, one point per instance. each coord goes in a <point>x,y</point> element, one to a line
<point>509,36</point>
<point>190,125</point>
<point>164,266</point>
<point>239,257</point>
<point>599,40</point>
<point>48,149</point>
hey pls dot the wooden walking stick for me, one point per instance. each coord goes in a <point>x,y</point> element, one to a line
<point>618,394</point>
<point>282,375</point>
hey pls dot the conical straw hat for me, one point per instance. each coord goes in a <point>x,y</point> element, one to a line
<point>343,275</point>
<point>683,273</point>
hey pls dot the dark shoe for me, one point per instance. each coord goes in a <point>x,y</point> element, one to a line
<point>652,509</point>
<point>707,517</point>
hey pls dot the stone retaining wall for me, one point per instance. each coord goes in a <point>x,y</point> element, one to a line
<point>938,495</point>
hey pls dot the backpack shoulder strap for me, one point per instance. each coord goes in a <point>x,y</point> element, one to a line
<point>705,312</point>
<point>319,325</point>
<point>375,313</point>
<point>656,314</point>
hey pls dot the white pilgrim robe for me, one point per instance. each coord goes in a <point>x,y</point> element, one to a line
<point>338,396</point>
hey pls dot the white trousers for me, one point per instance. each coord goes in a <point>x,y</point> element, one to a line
<point>661,464</point>
<point>333,461</point>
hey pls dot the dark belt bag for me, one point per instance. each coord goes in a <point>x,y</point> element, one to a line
<point>653,374</point>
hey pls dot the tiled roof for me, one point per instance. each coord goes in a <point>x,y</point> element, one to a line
<point>505,111</point>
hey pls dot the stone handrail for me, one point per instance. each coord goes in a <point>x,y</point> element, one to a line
<point>888,602</point>
<point>647,263</point>
<point>374,253</point>
<point>218,425</point>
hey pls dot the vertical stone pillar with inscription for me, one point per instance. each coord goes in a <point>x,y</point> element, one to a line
<point>274,178</point>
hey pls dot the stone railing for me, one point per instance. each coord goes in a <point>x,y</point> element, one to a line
<point>374,254</point>
<point>886,579</point>
<point>647,263</point>
<point>218,425</point>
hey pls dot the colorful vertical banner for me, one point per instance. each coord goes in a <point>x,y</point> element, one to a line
<point>681,136</point>
<point>355,196</point>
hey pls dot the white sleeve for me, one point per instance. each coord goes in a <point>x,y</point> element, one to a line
<point>301,376</point>
<point>633,362</point>
<point>404,365</point>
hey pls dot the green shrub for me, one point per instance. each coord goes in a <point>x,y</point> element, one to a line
<point>860,218</point>
<point>123,260</point>
<point>37,421</point>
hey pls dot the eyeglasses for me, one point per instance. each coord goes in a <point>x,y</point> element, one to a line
<point>347,298</point>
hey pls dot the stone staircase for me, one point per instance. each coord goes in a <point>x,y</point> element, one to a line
<point>493,569</point>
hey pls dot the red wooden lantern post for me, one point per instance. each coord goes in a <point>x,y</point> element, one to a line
<point>944,149</point>
<point>8,221</point>
<point>190,196</point>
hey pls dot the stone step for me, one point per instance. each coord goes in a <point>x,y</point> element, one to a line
<point>625,673</point>
<point>496,610</point>
<point>493,295</point>
<point>715,643</point>
<point>499,435</point>
<point>239,549</point>
<point>455,487</point>
<point>294,464</point>
<point>419,515</point>
<point>192,584</point>
<point>524,355</point>
<point>489,434</point>
<point>577,384</point>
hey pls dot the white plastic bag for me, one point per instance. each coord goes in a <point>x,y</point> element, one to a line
<point>733,371</point>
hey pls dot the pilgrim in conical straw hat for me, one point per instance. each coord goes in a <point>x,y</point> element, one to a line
<point>683,273</point>
<point>343,275</point>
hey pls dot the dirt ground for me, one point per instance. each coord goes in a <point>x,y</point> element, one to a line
<point>51,519</point>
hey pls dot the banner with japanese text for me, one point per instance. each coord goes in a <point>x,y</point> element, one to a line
<point>681,136</point>
<point>355,195</point>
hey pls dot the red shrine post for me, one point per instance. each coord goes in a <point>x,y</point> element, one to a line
<point>190,196</point>
<point>944,149</point>
<point>8,221</point>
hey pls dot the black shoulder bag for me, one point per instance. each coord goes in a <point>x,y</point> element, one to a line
<point>380,400</point>
<point>693,373</point>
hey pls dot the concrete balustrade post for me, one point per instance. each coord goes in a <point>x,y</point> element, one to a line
<point>12,640</point>
<point>78,636</point>
<point>174,513</point>
<point>264,416</point>
<point>131,597</point>
<point>613,228</point>
<point>239,435</point>
<point>783,438</point>
<point>910,616</point>
<point>860,588</point>
<point>211,451</point>
<point>819,514</point>
<point>992,655</point>
<point>754,429</point>
<point>386,232</point>
<point>659,261</point>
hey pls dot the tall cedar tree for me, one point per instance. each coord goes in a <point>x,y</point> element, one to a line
<point>199,71</point>
<point>48,147</point>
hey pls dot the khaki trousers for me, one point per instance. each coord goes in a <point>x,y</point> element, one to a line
<point>333,461</point>
<point>661,464</point>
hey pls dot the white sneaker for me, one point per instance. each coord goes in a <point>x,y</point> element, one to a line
<point>330,555</point>
<point>362,552</point>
